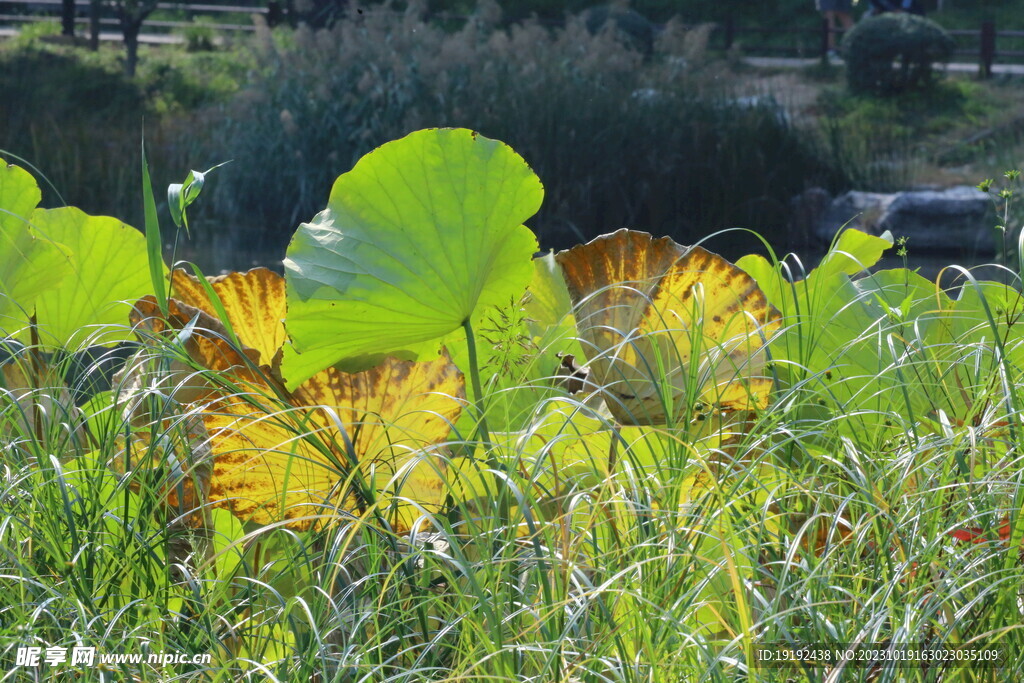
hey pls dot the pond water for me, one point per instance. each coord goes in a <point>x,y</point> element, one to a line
<point>217,254</point>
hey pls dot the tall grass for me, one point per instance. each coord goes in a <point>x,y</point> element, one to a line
<point>813,522</point>
<point>57,111</point>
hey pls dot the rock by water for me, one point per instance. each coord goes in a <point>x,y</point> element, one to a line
<point>957,220</point>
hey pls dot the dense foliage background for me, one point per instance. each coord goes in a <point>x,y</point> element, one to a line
<point>668,133</point>
<point>618,136</point>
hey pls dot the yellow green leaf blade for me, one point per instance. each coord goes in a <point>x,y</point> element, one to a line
<point>719,320</point>
<point>264,471</point>
<point>292,462</point>
<point>393,416</point>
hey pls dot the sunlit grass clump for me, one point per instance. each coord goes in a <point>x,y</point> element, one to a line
<point>422,454</point>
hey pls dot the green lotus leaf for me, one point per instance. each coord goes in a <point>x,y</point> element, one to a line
<point>19,196</point>
<point>824,312</point>
<point>854,252</point>
<point>984,343</point>
<point>549,311</point>
<point>109,272</point>
<point>549,303</point>
<point>834,335</point>
<point>520,348</point>
<point>417,236</point>
<point>915,307</point>
<point>987,310</point>
<point>30,263</point>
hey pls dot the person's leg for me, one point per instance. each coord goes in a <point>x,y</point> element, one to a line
<point>845,21</point>
<point>831,17</point>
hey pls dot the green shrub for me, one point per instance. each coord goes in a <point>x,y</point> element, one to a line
<point>884,143</point>
<point>893,53</point>
<point>30,33</point>
<point>200,35</point>
<point>180,81</point>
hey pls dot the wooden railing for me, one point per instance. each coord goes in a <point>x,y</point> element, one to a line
<point>986,50</point>
<point>986,47</point>
<point>988,41</point>
<point>39,10</point>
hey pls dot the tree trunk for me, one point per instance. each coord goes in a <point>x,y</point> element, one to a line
<point>133,13</point>
<point>130,30</point>
<point>94,24</point>
<point>67,17</point>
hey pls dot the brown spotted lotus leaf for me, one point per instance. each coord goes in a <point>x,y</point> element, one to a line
<point>673,333</point>
<point>181,460</point>
<point>387,419</point>
<point>254,303</point>
<point>207,346</point>
<point>282,457</point>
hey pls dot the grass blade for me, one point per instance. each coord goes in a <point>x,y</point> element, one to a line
<point>153,238</point>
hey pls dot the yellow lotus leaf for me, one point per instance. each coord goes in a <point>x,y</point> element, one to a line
<point>671,332</point>
<point>176,463</point>
<point>264,469</point>
<point>296,465</point>
<point>253,301</point>
<point>207,346</point>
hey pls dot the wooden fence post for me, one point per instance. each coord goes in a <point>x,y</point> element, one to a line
<point>826,34</point>
<point>67,18</point>
<point>95,9</point>
<point>730,31</point>
<point>988,47</point>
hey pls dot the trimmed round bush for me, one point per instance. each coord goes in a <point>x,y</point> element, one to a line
<point>893,53</point>
<point>635,30</point>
